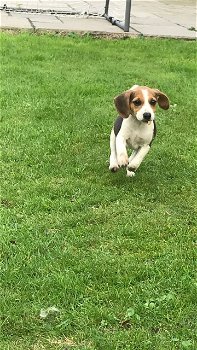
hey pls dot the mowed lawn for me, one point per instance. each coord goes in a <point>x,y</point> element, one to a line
<point>114,255</point>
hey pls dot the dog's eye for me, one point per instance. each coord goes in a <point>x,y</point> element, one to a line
<point>137,103</point>
<point>153,102</point>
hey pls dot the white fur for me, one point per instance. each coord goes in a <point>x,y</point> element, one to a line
<point>130,173</point>
<point>136,161</point>
<point>134,87</point>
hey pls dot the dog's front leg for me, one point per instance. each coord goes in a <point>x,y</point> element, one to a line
<point>133,154</point>
<point>121,150</point>
<point>135,162</point>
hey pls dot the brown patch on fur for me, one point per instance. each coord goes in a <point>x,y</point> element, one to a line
<point>163,100</point>
<point>138,95</point>
<point>122,103</point>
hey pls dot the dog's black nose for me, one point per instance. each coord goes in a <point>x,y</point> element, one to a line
<point>147,116</point>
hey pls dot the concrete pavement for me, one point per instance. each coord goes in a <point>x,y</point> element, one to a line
<point>163,18</point>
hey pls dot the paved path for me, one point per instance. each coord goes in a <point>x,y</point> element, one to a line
<point>171,18</point>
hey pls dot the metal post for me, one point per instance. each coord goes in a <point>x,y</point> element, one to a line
<point>127,15</point>
<point>123,25</point>
<point>106,7</point>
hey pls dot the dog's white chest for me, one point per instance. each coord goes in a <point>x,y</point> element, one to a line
<point>137,134</point>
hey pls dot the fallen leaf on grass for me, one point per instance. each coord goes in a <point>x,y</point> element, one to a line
<point>64,341</point>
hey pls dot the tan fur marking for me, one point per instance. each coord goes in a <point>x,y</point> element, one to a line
<point>139,95</point>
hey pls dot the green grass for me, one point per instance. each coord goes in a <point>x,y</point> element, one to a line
<point>115,255</point>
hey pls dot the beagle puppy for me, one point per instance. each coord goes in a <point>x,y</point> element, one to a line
<point>135,127</point>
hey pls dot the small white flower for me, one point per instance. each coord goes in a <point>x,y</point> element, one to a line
<point>50,310</point>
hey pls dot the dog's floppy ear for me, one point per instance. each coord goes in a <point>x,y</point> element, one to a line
<point>163,100</point>
<point>122,103</point>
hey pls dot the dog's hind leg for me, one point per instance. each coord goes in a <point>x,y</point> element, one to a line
<point>113,166</point>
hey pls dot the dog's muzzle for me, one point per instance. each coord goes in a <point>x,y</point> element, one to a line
<point>146,117</point>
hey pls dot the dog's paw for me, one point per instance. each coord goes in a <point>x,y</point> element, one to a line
<point>130,173</point>
<point>123,160</point>
<point>132,166</point>
<point>113,168</point>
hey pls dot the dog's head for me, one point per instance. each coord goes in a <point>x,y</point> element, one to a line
<point>141,102</point>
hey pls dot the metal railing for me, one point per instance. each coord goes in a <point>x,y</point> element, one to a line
<point>123,25</point>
